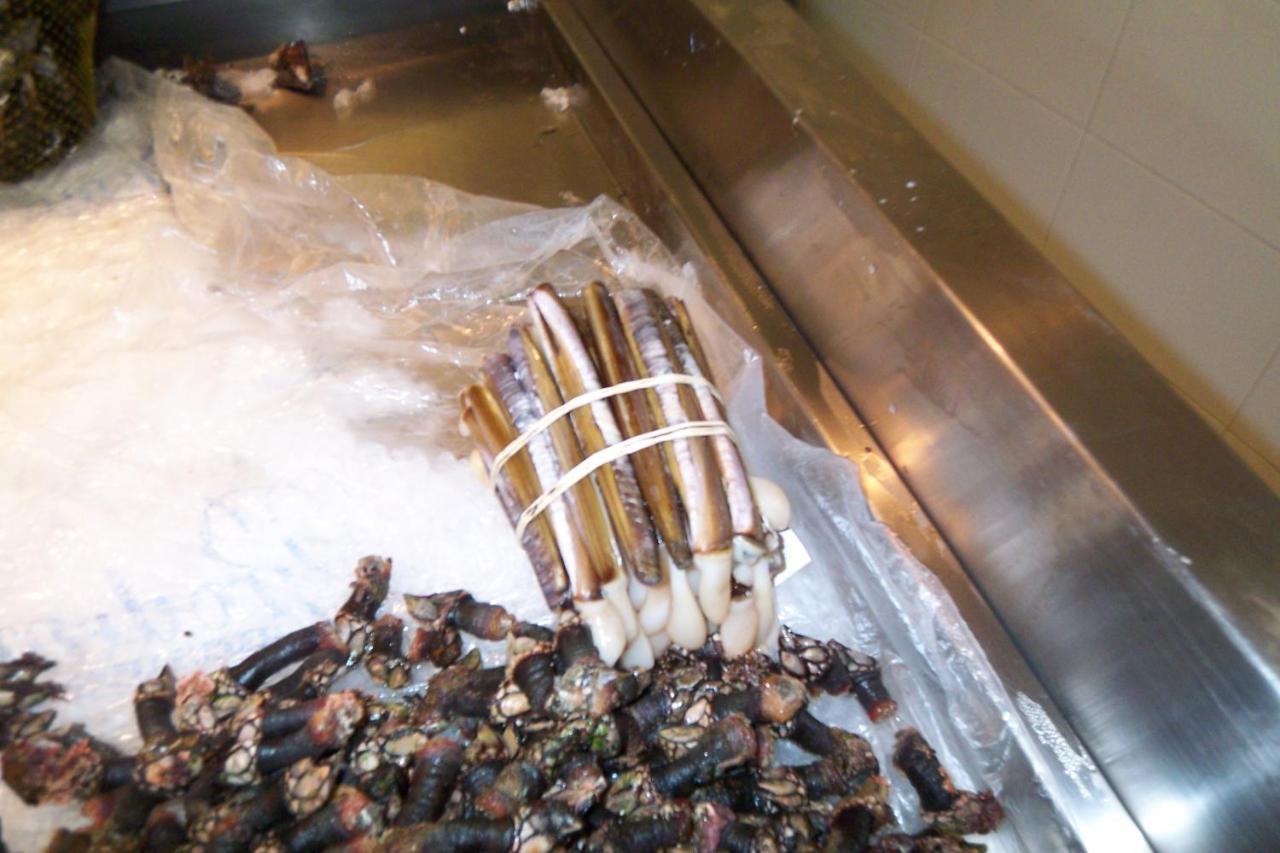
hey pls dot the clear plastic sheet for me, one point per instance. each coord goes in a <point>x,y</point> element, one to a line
<point>225,375</point>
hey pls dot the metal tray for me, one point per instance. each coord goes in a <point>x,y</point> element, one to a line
<point>1058,473</point>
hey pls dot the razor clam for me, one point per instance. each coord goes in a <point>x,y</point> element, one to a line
<point>737,486</point>
<point>698,477</point>
<point>635,417</point>
<point>576,374</point>
<point>751,544</point>
<point>517,487</point>
<point>607,628</point>
<point>607,560</point>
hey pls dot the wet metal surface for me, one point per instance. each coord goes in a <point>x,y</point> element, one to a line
<point>1131,555</point>
<point>463,108</point>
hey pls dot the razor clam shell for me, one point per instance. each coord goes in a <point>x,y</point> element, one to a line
<point>517,487</point>
<point>733,474</point>
<point>699,479</point>
<point>524,408</point>
<point>636,418</point>
<point>597,429</point>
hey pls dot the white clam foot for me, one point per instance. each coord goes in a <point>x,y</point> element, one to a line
<point>638,654</point>
<point>638,592</point>
<point>762,591</point>
<point>660,642</point>
<point>775,506</point>
<point>715,571</point>
<point>615,592</point>
<point>687,626</point>
<point>738,633</point>
<point>477,465</point>
<point>656,610</point>
<point>607,630</point>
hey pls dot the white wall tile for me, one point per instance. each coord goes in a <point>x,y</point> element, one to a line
<point>1196,293</point>
<point>914,12</point>
<point>1258,422</point>
<point>1015,150</point>
<point>882,45</point>
<point>1194,92</point>
<point>1056,51</point>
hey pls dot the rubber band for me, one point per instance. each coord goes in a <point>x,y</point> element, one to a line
<point>543,423</point>
<point>584,469</point>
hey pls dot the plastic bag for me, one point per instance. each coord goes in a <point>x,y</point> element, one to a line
<point>225,375</point>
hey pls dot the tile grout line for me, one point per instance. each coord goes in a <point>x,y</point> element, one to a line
<point>1088,122</point>
<point>1273,361</point>
<point>1170,182</point>
<point>995,76</point>
<point>915,59</point>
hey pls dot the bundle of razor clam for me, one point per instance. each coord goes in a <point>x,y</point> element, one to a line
<point>604,436</point>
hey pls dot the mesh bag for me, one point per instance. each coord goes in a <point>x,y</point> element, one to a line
<point>46,81</point>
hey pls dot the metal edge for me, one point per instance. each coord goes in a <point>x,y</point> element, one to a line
<point>985,372</point>
<point>802,393</point>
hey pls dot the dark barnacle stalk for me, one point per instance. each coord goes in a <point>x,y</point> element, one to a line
<point>25,668</point>
<point>232,824</point>
<point>866,680</point>
<point>727,744</point>
<point>313,676</point>
<point>385,661</point>
<point>517,783</point>
<point>809,733</point>
<point>945,808</point>
<point>463,689</point>
<point>440,646</point>
<point>329,728</point>
<point>204,701</point>
<point>580,785</point>
<point>590,687</point>
<point>368,591</point>
<point>835,668</point>
<point>24,695</point>
<point>25,724</point>
<point>573,643</point>
<point>776,698</point>
<point>168,761</point>
<point>599,737</point>
<point>531,666</point>
<point>165,828</point>
<point>55,766</point>
<point>460,610</point>
<point>252,672</point>
<point>153,703</point>
<point>347,816</point>
<point>842,771</point>
<point>646,830</point>
<point>299,792</point>
<point>122,813</point>
<point>436,766</point>
<point>251,757</point>
<point>774,791</point>
<point>460,835</point>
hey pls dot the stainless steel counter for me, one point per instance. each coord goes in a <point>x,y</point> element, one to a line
<point>1116,561</point>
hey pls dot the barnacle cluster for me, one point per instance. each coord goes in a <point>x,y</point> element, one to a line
<point>552,749</point>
